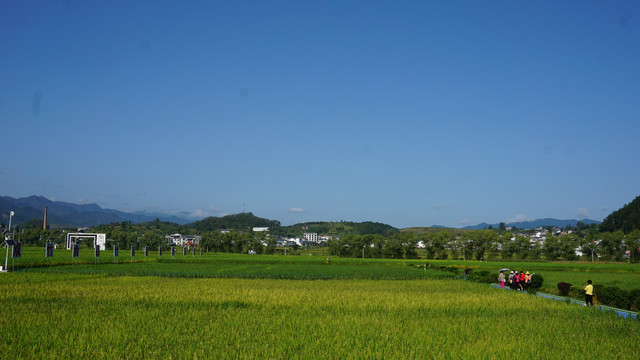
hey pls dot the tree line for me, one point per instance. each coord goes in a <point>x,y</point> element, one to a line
<point>617,238</point>
<point>490,244</point>
<point>487,244</point>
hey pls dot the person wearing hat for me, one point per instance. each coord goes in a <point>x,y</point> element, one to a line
<point>511,279</point>
<point>527,281</point>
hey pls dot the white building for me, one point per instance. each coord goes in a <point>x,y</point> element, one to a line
<point>538,236</point>
<point>183,240</point>
<point>311,237</point>
<point>292,241</point>
<point>260,229</point>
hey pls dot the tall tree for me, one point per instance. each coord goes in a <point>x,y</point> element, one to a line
<point>552,248</point>
<point>632,244</point>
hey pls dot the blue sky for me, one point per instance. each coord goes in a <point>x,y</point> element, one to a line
<point>409,113</point>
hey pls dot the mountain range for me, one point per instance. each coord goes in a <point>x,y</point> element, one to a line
<point>64,214</point>
<point>535,223</point>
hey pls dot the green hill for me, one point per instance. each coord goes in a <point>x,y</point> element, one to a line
<point>626,218</point>
<point>242,221</point>
<point>342,228</point>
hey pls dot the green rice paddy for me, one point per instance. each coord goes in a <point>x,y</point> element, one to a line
<point>225,306</point>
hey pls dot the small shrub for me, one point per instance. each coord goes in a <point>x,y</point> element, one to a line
<point>536,282</point>
<point>483,276</point>
<point>564,288</point>
<point>452,269</point>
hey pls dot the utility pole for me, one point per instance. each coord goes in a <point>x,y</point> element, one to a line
<point>6,259</point>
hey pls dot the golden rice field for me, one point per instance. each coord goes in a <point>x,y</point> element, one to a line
<point>75,316</point>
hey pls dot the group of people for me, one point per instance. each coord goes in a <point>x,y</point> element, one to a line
<point>516,280</point>
<point>522,281</point>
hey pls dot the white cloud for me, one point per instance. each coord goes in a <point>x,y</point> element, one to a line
<point>463,222</point>
<point>204,212</point>
<point>297,210</point>
<point>604,208</point>
<point>196,213</point>
<point>517,218</point>
<point>582,212</point>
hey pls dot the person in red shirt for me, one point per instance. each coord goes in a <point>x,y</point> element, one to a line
<point>521,280</point>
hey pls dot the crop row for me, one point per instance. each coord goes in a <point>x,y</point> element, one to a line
<point>307,271</point>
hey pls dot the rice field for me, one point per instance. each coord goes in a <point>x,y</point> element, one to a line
<point>230,306</point>
<point>63,316</point>
<point>296,271</point>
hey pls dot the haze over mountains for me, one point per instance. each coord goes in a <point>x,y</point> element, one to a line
<point>64,214</point>
<point>535,223</point>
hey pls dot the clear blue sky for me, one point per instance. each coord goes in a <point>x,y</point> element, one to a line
<point>409,113</point>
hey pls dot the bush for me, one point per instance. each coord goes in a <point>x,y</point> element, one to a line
<point>634,303</point>
<point>577,292</point>
<point>452,269</point>
<point>610,296</point>
<point>614,296</point>
<point>536,282</point>
<point>483,276</point>
<point>564,288</point>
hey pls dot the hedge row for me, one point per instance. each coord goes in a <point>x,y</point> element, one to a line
<point>610,296</point>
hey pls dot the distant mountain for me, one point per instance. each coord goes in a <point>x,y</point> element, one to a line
<point>165,217</point>
<point>63,214</point>
<point>535,223</point>
<point>480,226</point>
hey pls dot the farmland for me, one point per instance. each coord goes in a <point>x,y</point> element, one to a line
<point>240,306</point>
